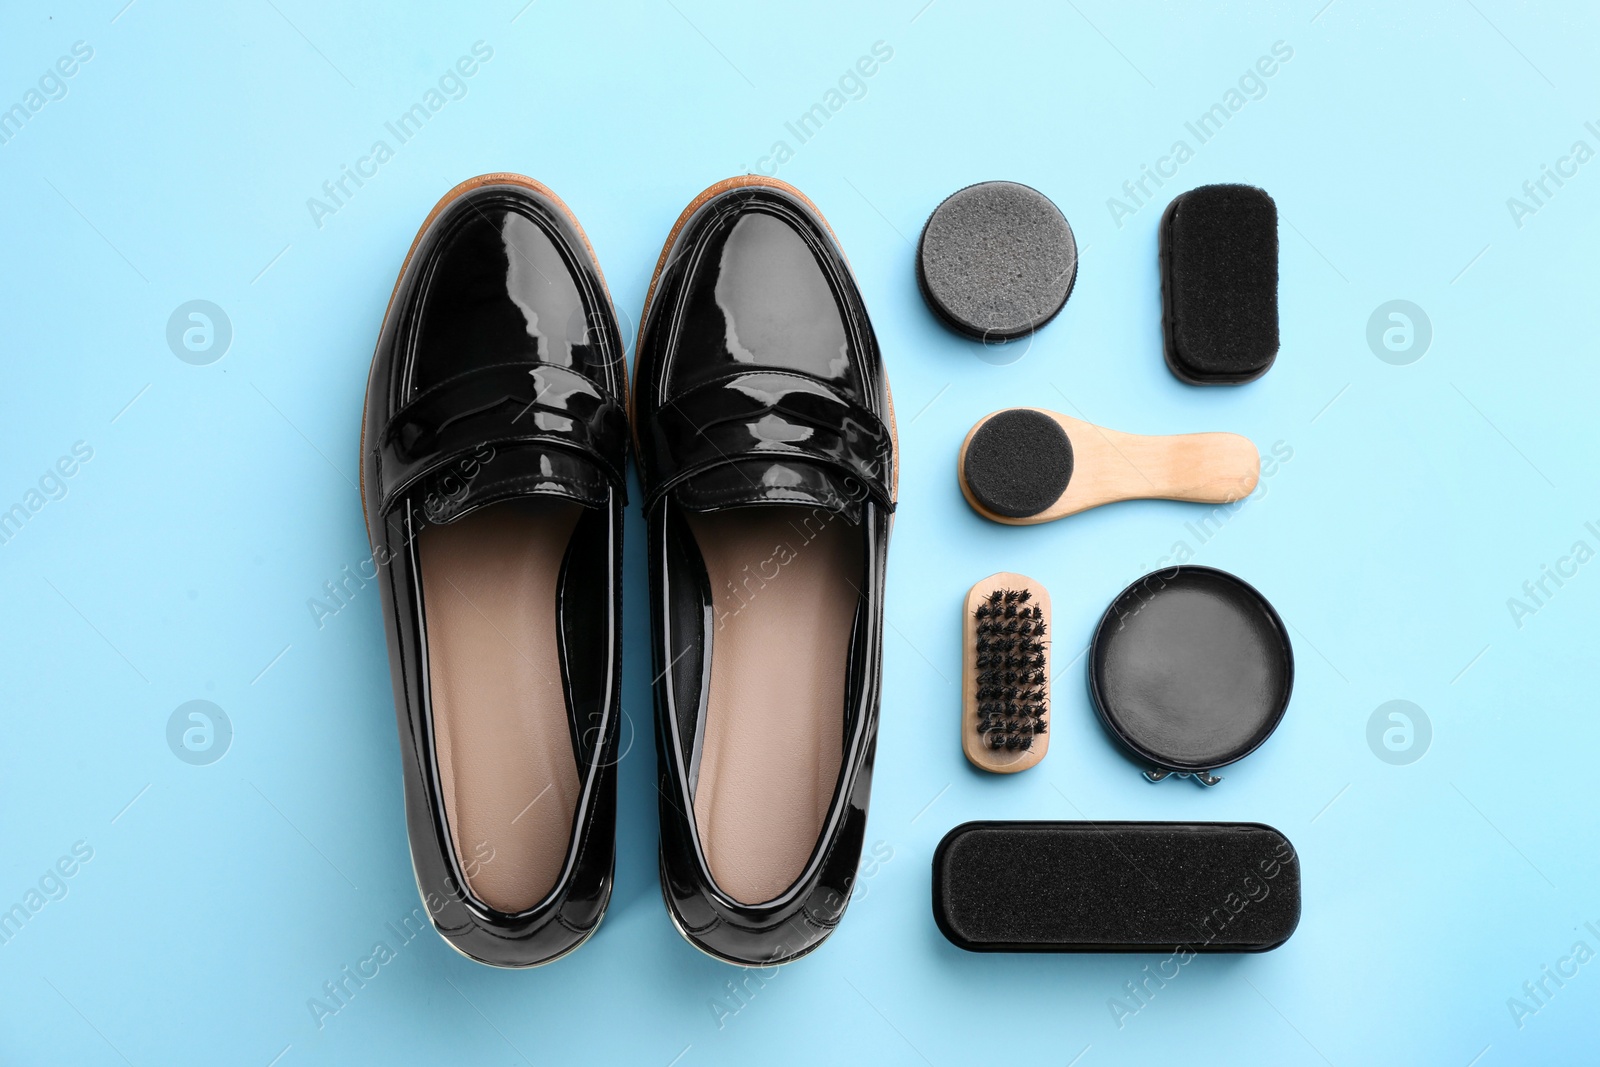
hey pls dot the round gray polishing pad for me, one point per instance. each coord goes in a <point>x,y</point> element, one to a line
<point>997,260</point>
<point>1018,463</point>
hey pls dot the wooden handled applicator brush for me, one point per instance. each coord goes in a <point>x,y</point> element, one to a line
<point>1028,465</point>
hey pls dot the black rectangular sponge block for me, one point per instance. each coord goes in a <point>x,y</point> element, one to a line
<point>1219,284</point>
<point>1116,887</point>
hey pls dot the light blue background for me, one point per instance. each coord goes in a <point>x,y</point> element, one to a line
<point>220,498</point>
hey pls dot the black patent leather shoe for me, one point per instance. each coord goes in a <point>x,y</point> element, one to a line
<point>492,463</point>
<point>765,435</point>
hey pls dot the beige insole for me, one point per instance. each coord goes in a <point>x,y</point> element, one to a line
<point>500,730</point>
<point>784,606</point>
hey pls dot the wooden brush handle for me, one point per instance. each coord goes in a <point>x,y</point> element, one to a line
<point>1205,468</point>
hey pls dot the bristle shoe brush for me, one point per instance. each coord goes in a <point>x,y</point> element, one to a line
<point>1005,674</point>
<point>1028,465</point>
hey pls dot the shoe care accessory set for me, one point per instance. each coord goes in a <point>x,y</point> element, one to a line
<point>1189,669</point>
<point>495,440</point>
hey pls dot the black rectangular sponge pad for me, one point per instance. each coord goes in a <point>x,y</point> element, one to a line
<point>1116,887</point>
<point>1219,284</point>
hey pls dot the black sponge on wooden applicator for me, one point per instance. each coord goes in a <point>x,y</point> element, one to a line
<point>1027,465</point>
<point>1115,887</point>
<point>996,260</point>
<point>1018,463</point>
<point>1219,284</point>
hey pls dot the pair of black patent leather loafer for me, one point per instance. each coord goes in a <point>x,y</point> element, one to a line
<point>494,451</point>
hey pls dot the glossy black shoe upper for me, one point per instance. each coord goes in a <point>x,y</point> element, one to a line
<point>762,412</point>
<point>495,402</point>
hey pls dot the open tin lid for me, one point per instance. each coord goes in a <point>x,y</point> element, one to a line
<point>1191,669</point>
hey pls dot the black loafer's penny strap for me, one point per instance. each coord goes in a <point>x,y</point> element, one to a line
<point>507,429</point>
<point>769,415</point>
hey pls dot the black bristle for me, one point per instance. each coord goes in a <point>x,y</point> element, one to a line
<point>1011,687</point>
